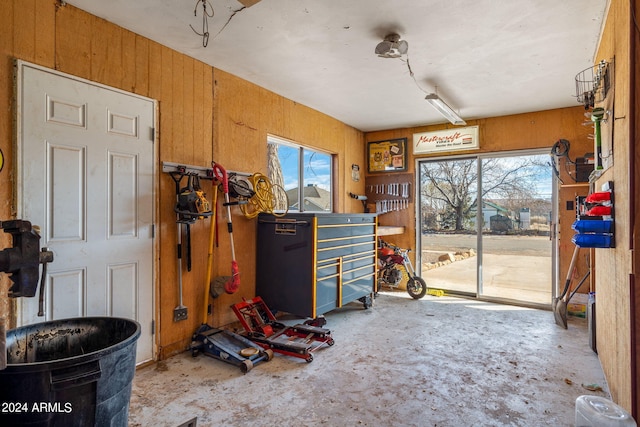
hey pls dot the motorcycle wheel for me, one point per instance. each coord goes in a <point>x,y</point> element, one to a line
<point>416,287</point>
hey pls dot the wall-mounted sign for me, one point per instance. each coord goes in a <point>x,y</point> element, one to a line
<point>446,140</point>
<point>387,156</point>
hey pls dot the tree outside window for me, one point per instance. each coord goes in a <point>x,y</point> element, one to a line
<point>305,174</point>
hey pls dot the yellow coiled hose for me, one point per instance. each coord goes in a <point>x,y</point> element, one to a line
<point>265,198</point>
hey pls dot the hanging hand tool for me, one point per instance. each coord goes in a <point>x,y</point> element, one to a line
<point>188,209</point>
<point>233,283</point>
<point>559,304</point>
<point>596,116</point>
<point>180,312</point>
<point>212,235</point>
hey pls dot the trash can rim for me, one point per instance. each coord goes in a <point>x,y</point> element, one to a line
<point>72,360</point>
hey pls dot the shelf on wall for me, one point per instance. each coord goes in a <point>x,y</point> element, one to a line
<point>388,230</point>
<point>578,184</point>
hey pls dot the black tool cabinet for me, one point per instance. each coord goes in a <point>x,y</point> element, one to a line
<point>311,263</point>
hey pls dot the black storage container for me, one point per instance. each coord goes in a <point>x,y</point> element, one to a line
<point>71,372</point>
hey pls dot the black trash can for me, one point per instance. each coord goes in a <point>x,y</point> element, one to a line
<point>71,372</point>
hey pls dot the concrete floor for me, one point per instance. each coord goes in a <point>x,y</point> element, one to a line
<point>439,361</point>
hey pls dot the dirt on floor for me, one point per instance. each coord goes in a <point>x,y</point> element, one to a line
<point>438,361</point>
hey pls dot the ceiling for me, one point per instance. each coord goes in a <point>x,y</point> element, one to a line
<point>484,60</point>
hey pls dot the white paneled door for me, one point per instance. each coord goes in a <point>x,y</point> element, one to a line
<point>86,177</point>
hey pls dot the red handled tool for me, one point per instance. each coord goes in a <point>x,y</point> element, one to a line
<point>233,284</point>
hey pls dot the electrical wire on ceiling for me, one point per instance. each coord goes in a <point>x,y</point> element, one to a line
<point>205,20</point>
<point>413,75</point>
<point>233,13</point>
<point>385,47</point>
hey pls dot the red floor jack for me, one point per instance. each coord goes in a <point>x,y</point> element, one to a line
<point>262,327</point>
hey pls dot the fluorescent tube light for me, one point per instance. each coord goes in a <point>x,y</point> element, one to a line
<point>446,111</point>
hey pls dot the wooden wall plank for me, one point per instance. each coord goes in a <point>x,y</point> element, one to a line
<point>194,280</point>
<point>190,156</point>
<point>44,36</point>
<point>275,114</point>
<point>142,67</point>
<point>177,138</point>
<point>7,20</point>
<point>73,41</point>
<point>207,110</point>
<point>197,107</point>
<point>106,53</point>
<point>152,74</point>
<point>129,54</point>
<point>166,100</point>
<point>25,30</point>
<point>168,298</point>
<point>99,47</point>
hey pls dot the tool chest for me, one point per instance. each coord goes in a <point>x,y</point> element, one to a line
<point>311,263</point>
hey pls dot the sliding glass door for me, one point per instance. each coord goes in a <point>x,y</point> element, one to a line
<point>448,189</point>
<point>486,226</point>
<point>517,212</point>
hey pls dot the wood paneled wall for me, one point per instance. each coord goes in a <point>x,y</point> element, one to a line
<point>614,266</point>
<point>189,94</point>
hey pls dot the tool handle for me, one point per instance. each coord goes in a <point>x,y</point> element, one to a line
<point>221,175</point>
<point>188,247</point>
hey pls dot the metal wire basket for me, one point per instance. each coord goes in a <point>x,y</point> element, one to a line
<point>593,84</point>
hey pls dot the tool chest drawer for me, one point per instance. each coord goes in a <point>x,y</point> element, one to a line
<point>311,263</point>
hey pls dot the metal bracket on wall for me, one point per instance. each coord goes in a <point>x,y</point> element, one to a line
<point>202,172</point>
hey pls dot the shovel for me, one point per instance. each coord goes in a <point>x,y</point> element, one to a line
<point>231,284</point>
<point>559,305</point>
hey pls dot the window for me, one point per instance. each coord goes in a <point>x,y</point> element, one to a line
<point>305,174</point>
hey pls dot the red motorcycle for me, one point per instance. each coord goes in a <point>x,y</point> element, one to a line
<point>393,261</point>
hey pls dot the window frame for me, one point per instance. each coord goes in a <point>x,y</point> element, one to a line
<point>301,150</point>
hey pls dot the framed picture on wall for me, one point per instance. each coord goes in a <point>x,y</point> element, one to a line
<point>387,156</point>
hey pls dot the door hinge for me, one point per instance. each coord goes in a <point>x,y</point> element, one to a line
<point>153,134</point>
<point>153,327</point>
<point>153,231</point>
